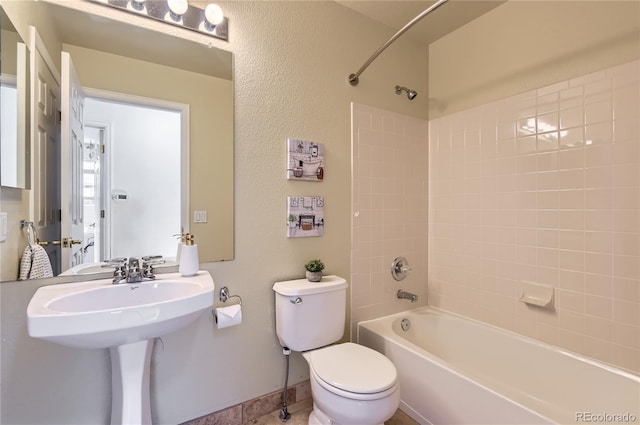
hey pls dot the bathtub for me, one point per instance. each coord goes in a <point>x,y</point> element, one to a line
<point>454,370</point>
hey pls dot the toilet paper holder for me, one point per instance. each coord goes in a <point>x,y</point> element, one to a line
<point>225,296</point>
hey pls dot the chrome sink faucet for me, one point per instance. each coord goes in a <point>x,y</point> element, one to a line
<point>134,274</point>
<point>131,270</point>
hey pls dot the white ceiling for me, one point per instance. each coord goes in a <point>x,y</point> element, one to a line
<point>446,18</point>
<point>91,32</point>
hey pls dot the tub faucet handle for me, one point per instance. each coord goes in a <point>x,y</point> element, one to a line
<point>400,268</point>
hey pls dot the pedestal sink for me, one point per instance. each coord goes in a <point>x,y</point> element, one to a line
<point>125,318</point>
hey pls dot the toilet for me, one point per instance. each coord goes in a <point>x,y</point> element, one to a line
<point>350,383</point>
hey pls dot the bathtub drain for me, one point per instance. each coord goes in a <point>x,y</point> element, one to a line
<point>405,324</point>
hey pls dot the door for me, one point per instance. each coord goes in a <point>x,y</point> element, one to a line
<point>71,161</point>
<point>45,136</point>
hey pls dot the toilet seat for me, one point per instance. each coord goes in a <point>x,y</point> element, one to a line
<point>353,371</point>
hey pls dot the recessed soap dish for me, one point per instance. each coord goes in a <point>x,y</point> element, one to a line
<point>537,294</point>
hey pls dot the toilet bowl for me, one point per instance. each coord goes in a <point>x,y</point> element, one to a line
<point>351,384</point>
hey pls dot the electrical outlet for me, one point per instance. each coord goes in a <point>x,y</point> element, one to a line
<point>199,216</point>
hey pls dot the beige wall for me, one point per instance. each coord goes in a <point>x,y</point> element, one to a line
<point>15,202</point>
<point>9,51</point>
<point>523,45</point>
<point>291,61</point>
<point>25,13</point>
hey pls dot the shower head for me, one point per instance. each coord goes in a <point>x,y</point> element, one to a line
<point>411,94</point>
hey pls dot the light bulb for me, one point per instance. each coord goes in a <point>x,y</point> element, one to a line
<point>137,5</point>
<point>213,14</point>
<point>178,7</point>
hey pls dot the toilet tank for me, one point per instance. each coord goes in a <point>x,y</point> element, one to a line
<point>310,314</point>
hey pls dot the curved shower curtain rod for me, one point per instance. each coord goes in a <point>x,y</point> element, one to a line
<point>353,78</point>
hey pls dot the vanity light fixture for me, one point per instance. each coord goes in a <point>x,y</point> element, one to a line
<point>210,21</point>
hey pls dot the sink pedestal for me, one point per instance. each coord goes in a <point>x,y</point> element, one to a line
<point>130,366</point>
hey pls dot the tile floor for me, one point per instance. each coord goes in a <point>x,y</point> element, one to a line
<point>300,416</point>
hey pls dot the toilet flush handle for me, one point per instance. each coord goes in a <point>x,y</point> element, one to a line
<point>297,300</point>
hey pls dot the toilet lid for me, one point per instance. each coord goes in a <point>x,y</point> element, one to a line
<point>354,368</point>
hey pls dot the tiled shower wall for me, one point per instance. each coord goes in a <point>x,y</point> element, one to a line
<point>544,187</point>
<point>390,182</point>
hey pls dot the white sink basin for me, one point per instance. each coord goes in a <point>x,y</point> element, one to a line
<point>99,314</point>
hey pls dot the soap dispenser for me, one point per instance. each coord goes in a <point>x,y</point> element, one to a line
<point>189,262</point>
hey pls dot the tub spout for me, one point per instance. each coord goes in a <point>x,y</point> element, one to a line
<point>402,295</point>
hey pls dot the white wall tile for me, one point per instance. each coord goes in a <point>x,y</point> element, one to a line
<point>561,206</point>
<point>501,209</point>
<point>390,195</point>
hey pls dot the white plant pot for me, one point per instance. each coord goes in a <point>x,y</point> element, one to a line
<point>314,276</point>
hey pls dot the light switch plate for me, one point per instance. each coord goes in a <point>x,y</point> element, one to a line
<point>199,216</point>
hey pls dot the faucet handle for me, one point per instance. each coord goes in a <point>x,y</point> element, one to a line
<point>152,259</point>
<point>148,261</point>
<point>115,263</point>
<point>400,268</point>
<point>119,266</point>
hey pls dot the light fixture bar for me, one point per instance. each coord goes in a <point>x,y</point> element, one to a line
<point>193,18</point>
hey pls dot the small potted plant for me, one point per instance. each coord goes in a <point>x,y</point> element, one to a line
<point>314,270</point>
<point>292,220</point>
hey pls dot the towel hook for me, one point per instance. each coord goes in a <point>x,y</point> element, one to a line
<point>32,234</point>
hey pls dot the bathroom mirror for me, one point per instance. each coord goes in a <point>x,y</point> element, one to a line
<point>116,56</point>
<point>14,107</point>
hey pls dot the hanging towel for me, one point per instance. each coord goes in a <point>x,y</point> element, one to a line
<point>35,263</point>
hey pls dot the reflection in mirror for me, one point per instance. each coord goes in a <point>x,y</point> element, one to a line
<point>132,171</point>
<point>14,96</point>
<point>115,61</point>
